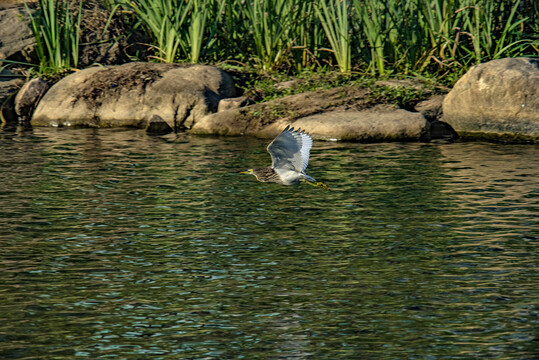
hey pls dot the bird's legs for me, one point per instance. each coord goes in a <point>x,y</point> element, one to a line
<point>317,184</point>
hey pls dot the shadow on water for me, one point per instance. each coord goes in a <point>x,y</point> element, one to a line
<point>121,245</point>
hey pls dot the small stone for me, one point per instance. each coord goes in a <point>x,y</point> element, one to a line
<point>233,103</point>
<point>286,84</point>
<point>158,126</point>
<point>442,130</point>
<point>431,108</point>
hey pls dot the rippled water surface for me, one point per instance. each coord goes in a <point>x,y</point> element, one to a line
<point>119,245</point>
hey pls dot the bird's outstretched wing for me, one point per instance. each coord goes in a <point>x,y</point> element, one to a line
<point>290,150</point>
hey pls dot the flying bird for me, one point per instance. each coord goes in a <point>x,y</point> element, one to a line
<point>290,156</point>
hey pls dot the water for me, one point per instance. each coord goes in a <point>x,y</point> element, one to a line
<point>119,245</point>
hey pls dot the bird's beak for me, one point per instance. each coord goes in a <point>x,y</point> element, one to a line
<point>244,172</point>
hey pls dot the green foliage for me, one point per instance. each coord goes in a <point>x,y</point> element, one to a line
<point>57,33</point>
<point>402,96</point>
<point>374,28</point>
<point>263,89</point>
<point>375,37</point>
<point>201,38</point>
<point>163,19</point>
<point>492,27</point>
<point>273,24</point>
<point>179,28</point>
<point>334,17</point>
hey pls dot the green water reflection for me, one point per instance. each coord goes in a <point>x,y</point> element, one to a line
<point>120,245</point>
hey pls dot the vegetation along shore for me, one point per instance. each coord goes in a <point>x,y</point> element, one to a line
<point>365,57</point>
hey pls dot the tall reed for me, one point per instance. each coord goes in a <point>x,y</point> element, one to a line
<point>333,15</point>
<point>57,33</point>
<point>377,36</point>
<point>273,25</point>
<point>200,37</point>
<point>372,26</point>
<point>309,38</point>
<point>492,27</point>
<point>163,19</point>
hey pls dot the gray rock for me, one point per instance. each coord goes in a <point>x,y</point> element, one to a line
<point>431,108</point>
<point>266,119</point>
<point>10,83</point>
<point>283,85</point>
<point>396,83</point>
<point>233,103</point>
<point>381,123</point>
<point>28,97</point>
<point>129,95</point>
<point>442,130</point>
<point>158,126</point>
<point>15,33</point>
<point>498,99</point>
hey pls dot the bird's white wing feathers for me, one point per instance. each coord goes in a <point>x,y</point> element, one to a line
<point>290,150</point>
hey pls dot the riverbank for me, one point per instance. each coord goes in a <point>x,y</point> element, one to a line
<point>493,101</point>
<point>233,100</point>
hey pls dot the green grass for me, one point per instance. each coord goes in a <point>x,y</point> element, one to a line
<point>376,37</point>
<point>264,88</point>
<point>334,18</point>
<point>405,96</point>
<point>57,32</point>
<point>163,20</point>
<point>442,38</point>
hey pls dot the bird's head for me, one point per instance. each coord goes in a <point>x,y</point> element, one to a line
<point>248,171</point>
<point>257,172</point>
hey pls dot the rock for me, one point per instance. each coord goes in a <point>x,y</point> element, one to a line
<point>10,83</point>
<point>431,108</point>
<point>283,85</point>
<point>158,126</point>
<point>498,99</point>
<point>16,37</point>
<point>396,83</point>
<point>381,123</point>
<point>28,97</point>
<point>233,103</point>
<point>442,130</point>
<point>131,94</point>
<point>265,119</point>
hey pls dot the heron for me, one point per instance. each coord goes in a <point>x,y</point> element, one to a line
<point>290,156</point>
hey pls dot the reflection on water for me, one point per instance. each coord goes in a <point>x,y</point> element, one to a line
<point>121,245</point>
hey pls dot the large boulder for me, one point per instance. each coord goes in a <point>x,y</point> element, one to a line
<point>265,119</point>
<point>380,123</point>
<point>28,96</point>
<point>498,99</point>
<point>130,95</point>
<point>375,124</point>
<point>344,113</point>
